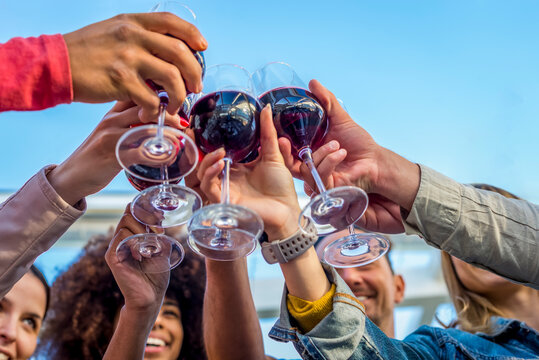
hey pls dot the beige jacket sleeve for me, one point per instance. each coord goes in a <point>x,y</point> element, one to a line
<point>480,227</point>
<point>31,221</point>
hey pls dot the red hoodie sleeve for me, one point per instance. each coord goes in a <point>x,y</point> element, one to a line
<point>34,73</point>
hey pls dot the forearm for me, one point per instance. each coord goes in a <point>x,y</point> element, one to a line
<point>131,334</point>
<point>304,275</point>
<point>231,326</point>
<point>31,221</point>
<point>477,226</point>
<point>34,73</point>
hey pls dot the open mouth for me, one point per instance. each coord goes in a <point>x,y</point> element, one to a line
<point>153,345</point>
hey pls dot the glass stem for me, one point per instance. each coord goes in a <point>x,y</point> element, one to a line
<point>351,229</point>
<point>307,156</point>
<point>225,182</point>
<point>161,119</point>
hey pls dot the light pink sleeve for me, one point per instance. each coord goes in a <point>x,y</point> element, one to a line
<point>31,221</point>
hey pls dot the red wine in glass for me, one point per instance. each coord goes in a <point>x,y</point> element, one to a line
<point>298,116</point>
<point>145,176</point>
<point>228,119</point>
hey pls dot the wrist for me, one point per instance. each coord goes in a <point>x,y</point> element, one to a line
<point>284,230</point>
<point>62,183</point>
<point>140,312</point>
<point>397,178</point>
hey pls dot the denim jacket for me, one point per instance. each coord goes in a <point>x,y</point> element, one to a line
<point>347,333</point>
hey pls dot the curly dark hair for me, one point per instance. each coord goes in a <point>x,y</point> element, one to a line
<point>85,300</point>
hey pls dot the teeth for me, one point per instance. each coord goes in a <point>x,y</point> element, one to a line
<point>150,342</point>
<point>362,298</point>
<point>4,357</point>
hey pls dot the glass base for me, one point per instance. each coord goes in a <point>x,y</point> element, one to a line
<point>150,253</point>
<point>336,209</point>
<point>164,206</point>
<point>355,250</point>
<point>224,232</point>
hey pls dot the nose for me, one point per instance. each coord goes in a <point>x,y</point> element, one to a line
<point>8,328</point>
<point>351,276</point>
<point>158,322</point>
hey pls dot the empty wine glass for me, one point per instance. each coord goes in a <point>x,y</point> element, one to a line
<point>298,116</point>
<point>226,115</point>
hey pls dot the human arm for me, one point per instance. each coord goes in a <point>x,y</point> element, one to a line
<point>266,187</point>
<point>143,296</point>
<point>479,227</point>
<point>35,217</point>
<point>105,61</point>
<point>230,322</point>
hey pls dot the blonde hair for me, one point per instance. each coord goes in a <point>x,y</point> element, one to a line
<point>474,311</point>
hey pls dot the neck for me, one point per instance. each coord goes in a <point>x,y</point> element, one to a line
<point>521,304</point>
<point>387,325</point>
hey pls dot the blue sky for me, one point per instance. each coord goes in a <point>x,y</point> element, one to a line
<point>450,84</point>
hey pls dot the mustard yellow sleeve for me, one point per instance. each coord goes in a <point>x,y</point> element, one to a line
<point>309,313</point>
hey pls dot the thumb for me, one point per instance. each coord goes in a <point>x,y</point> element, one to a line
<point>269,142</point>
<point>329,102</point>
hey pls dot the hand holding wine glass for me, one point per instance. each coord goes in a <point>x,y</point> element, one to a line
<point>299,117</point>
<point>111,60</point>
<point>349,157</point>
<point>265,185</point>
<point>142,291</point>
<point>226,115</point>
<point>76,177</point>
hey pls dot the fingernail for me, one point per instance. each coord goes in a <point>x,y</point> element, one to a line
<point>184,123</point>
<point>342,152</point>
<point>333,145</point>
<point>217,165</point>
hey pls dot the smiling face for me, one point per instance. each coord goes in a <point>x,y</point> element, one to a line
<point>21,315</point>
<point>165,340</point>
<point>374,285</point>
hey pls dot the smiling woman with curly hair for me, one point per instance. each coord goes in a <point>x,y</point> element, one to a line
<point>86,302</point>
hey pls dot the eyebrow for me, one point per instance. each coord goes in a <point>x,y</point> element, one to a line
<point>170,302</point>
<point>34,315</point>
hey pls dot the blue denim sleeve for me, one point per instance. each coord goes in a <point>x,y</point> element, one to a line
<point>346,333</point>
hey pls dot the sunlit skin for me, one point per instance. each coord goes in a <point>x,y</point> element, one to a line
<point>21,315</point>
<point>168,328</point>
<point>374,285</point>
<point>517,301</point>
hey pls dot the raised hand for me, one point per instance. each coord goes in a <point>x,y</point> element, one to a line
<point>264,185</point>
<point>350,157</point>
<point>141,291</point>
<point>93,164</point>
<point>112,59</point>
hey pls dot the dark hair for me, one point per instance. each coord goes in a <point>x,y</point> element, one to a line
<point>38,274</point>
<point>86,300</point>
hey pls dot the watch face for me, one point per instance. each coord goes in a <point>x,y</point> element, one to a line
<point>263,238</point>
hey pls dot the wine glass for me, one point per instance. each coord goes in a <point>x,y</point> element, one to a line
<point>226,115</point>
<point>300,118</point>
<point>184,12</point>
<point>155,158</point>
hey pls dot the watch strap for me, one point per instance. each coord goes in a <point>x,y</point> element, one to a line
<point>285,250</point>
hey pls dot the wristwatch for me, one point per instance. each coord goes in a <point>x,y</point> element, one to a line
<point>285,250</point>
